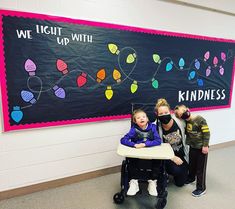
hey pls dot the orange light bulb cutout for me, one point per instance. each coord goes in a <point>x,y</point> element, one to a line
<point>116,75</point>
<point>101,74</point>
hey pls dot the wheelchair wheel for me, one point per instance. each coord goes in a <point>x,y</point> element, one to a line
<point>161,203</point>
<point>118,198</point>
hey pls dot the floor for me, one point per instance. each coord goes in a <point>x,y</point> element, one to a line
<point>98,193</point>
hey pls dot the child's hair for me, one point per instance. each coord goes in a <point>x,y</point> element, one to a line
<point>180,105</point>
<point>161,102</point>
<point>177,108</point>
<point>134,114</point>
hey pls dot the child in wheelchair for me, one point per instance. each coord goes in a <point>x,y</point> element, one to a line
<point>142,134</point>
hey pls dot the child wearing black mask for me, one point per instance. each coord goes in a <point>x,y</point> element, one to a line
<point>197,137</point>
<point>171,130</point>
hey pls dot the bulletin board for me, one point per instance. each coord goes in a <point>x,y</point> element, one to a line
<point>61,71</point>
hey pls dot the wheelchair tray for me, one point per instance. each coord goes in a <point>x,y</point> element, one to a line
<point>163,152</point>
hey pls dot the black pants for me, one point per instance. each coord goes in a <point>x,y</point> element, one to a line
<point>143,169</point>
<point>179,172</point>
<point>197,167</point>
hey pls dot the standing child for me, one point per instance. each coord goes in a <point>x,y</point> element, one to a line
<point>142,134</point>
<point>197,137</point>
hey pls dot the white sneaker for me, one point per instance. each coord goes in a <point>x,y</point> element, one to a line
<point>152,187</point>
<point>133,187</point>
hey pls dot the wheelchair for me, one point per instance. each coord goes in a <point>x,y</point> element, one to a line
<point>144,174</point>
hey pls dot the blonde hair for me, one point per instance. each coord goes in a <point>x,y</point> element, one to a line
<point>134,114</point>
<point>161,102</point>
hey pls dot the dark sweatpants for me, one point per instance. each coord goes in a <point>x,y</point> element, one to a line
<point>179,172</point>
<point>197,167</point>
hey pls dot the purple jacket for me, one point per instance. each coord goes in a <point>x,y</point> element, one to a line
<point>136,135</point>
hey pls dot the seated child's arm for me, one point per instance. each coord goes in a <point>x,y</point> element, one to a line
<point>126,140</point>
<point>157,139</point>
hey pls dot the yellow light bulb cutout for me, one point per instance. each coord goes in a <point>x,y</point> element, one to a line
<point>109,92</point>
<point>134,87</point>
<point>131,58</point>
<point>113,48</point>
<point>156,58</point>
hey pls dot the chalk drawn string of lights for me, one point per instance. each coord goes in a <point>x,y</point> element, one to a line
<point>29,96</point>
<point>194,71</point>
<point>101,74</point>
<point>213,63</point>
<point>131,59</point>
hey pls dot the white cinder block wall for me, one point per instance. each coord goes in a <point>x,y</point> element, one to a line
<point>34,156</point>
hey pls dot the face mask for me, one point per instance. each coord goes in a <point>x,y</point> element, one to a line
<point>185,115</point>
<point>165,119</point>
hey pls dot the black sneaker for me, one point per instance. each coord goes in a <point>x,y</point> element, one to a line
<point>198,192</point>
<point>189,181</point>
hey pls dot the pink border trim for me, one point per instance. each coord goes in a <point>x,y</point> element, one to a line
<point>7,127</point>
<point>6,119</point>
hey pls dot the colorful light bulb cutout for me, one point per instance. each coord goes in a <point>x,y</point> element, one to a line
<point>223,56</point>
<point>134,87</point>
<point>82,79</point>
<point>181,63</point>
<point>109,92</point>
<point>113,48</point>
<point>169,66</point>
<point>28,96</point>
<point>101,74</point>
<point>208,71</point>
<point>197,64</point>
<point>200,82</point>
<point>206,56</point>
<point>30,67</point>
<point>16,114</point>
<point>59,92</point>
<point>117,75</point>
<point>131,58</point>
<point>191,75</point>
<point>154,83</point>
<point>62,66</point>
<point>221,70</point>
<point>215,61</point>
<point>157,58</point>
